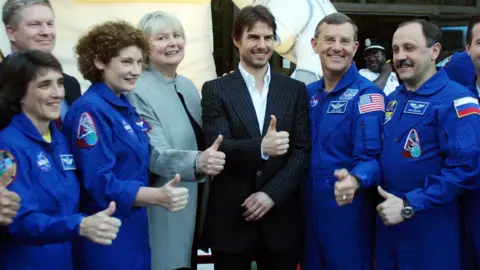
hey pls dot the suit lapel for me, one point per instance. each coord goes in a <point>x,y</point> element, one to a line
<point>274,101</point>
<point>243,104</point>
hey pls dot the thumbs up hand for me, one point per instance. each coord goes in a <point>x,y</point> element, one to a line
<point>391,209</point>
<point>101,228</point>
<point>275,143</point>
<point>9,201</point>
<point>345,187</point>
<point>172,197</point>
<point>211,161</point>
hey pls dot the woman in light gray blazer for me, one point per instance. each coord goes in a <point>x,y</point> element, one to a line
<point>170,104</point>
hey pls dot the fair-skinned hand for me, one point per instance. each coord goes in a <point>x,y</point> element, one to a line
<point>211,161</point>
<point>174,198</point>
<point>345,187</point>
<point>101,228</point>
<point>391,209</point>
<point>257,205</point>
<point>9,200</point>
<point>275,143</point>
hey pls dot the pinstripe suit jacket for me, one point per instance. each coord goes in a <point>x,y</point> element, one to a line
<point>228,109</point>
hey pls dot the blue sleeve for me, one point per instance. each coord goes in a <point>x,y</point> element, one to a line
<point>370,114</point>
<point>91,137</point>
<point>460,145</point>
<point>33,224</point>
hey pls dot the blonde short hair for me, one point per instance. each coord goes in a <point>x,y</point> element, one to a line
<point>153,23</point>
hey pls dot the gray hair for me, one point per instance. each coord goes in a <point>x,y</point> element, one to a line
<point>11,12</point>
<point>153,23</point>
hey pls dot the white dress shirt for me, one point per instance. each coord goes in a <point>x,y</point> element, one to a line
<point>259,98</point>
<point>391,84</point>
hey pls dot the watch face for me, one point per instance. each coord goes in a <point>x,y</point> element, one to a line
<point>407,212</point>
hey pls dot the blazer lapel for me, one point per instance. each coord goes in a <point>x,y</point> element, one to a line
<point>275,100</point>
<point>243,104</point>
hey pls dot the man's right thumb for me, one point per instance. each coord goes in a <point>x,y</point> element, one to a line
<point>111,209</point>
<point>174,182</point>
<point>273,123</point>
<point>383,193</point>
<point>216,144</point>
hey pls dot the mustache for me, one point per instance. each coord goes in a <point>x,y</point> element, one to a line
<point>404,63</point>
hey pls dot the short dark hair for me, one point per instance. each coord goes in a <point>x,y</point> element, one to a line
<point>471,24</point>
<point>250,15</point>
<point>104,42</point>
<point>337,19</point>
<point>19,69</point>
<point>431,32</point>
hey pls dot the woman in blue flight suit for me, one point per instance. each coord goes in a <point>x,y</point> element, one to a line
<point>111,147</point>
<point>43,170</point>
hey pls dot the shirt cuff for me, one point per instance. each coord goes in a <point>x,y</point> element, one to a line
<point>415,198</point>
<point>264,157</point>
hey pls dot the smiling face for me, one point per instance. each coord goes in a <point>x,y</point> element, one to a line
<point>374,59</point>
<point>44,95</point>
<point>121,73</point>
<point>336,46</point>
<point>167,48</point>
<point>35,30</point>
<point>255,46</point>
<point>413,59</point>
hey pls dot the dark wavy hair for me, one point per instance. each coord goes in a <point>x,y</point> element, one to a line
<point>103,42</point>
<point>19,69</point>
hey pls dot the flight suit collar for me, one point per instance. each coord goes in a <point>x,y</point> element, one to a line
<point>108,95</point>
<point>432,85</point>
<point>347,79</point>
<point>25,125</point>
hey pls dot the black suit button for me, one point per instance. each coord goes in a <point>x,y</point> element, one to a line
<point>259,173</point>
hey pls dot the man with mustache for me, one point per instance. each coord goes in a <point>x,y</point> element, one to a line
<point>431,154</point>
<point>30,24</point>
<point>254,209</point>
<point>346,116</point>
<point>378,70</point>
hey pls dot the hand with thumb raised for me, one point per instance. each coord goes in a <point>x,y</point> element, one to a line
<point>9,200</point>
<point>101,228</point>
<point>345,187</point>
<point>211,161</point>
<point>172,197</point>
<point>390,210</point>
<point>275,143</point>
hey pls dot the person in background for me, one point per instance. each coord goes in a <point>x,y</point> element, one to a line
<point>42,171</point>
<point>431,154</point>
<point>378,69</point>
<point>30,24</point>
<point>110,144</point>
<point>170,104</point>
<point>459,68</point>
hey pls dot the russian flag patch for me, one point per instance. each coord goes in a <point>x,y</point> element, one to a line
<point>466,106</point>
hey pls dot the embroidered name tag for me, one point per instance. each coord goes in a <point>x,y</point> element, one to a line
<point>416,107</point>
<point>349,94</point>
<point>68,162</point>
<point>337,107</point>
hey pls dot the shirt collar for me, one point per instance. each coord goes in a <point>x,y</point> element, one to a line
<point>250,79</point>
<point>108,95</point>
<point>347,79</point>
<point>26,126</point>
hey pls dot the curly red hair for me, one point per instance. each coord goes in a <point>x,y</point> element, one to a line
<point>104,42</point>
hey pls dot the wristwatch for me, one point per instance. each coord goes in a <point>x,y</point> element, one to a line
<point>407,211</point>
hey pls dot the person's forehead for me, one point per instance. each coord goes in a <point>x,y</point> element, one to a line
<point>476,31</point>
<point>259,28</point>
<point>410,33</point>
<point>342,30</point>
<point>36,11</point>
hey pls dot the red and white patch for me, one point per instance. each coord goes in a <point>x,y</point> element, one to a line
<point>87,135</point>
<point>144,125</point>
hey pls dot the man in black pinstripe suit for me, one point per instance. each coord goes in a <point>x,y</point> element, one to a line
<point>254,209</point>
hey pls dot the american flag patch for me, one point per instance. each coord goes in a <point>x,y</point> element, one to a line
<point>371,103</point>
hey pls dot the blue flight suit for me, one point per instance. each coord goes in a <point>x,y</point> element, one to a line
<point>112,152</point>
<point>346,126</point>
<point>460,68</point>
<point>431,154</point>
<point>41,233</point>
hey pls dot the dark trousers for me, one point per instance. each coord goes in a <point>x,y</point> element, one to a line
<point>265,259</point>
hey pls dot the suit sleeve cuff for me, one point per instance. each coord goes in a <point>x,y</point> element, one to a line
<point>416,200</point>
<point>126,201</point>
